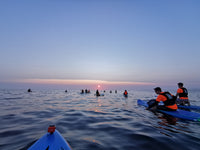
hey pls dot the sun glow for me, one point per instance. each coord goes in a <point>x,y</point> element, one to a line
<point>92,83</point>
<point>64,81</point>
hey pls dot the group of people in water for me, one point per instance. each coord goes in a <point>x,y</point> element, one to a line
<point>170,101</point>
<point>98,94</point>
<point>85,91</point>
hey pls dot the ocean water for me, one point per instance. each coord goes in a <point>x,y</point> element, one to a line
<point>110,122</point>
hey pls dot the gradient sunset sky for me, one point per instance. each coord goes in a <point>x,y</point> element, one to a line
<point>153,42</point>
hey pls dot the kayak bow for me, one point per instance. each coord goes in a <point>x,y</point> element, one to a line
<point>52,140</point>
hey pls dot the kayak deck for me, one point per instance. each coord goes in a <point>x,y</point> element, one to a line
<point>51,141</point>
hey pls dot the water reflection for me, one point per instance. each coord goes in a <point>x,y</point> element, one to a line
<point>88,122</point>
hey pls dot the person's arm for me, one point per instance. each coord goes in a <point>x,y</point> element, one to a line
<point>152,103</point>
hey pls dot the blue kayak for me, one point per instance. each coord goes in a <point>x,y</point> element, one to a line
<point>192,107</point>
<point>51,141</point>
<point>182,114</point>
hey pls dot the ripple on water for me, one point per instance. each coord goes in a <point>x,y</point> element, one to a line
<point>87,122</point>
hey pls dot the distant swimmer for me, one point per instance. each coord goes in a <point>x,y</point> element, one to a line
<point>65,91</point>
<point>182,95</point>
<point>82,91</point>
<point>97,93</point>
<point>29,90</point>
<point>86,91</point>
<point>125,93</point>
<point>167,98</point>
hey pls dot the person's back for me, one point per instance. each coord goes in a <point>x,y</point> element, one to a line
<point>182,95</point>
<point>125,93</point>
<point>97,93</point>
<point>167,98</point>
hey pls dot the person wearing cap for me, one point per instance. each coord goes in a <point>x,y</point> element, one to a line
<point>167,98</point>
<point>182,95</point>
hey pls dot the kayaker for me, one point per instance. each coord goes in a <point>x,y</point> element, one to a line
<point>182,95</point>
<point>167,98</point>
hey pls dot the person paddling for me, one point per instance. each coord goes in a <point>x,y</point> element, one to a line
<point>167,98</point>
<point>182,95</point>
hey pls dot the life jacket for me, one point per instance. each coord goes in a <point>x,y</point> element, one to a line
<point>171,100</point>
<point>125,93</point>
<point>184,94</point>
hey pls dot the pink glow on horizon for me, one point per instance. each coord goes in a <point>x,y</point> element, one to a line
<point>98,83</point>
<point>75,84</point>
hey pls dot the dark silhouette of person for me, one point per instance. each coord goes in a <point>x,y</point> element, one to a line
<point>29,90</point>
<point>97,93</point>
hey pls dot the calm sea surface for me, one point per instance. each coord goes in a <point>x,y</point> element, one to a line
<point>110,122</point>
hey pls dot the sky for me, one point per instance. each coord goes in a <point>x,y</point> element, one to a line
<point>110,42</point>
